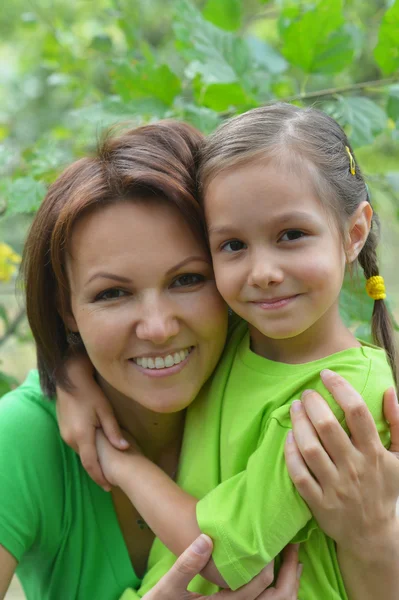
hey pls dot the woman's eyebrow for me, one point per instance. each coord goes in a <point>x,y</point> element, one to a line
<point>105,275</point>
<point>185,262</point>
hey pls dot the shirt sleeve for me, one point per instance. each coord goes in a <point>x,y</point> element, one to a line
<point>255,514</point>
<point>31,474</point>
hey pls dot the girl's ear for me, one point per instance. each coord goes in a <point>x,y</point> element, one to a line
<point>359,229</point>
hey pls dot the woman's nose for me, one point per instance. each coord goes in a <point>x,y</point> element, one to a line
<point>158,324</point>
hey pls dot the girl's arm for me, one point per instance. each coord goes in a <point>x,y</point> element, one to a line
<point>8,564</point>
<point>168,510</point>
<point>81,411</point>
<point>354,487</point>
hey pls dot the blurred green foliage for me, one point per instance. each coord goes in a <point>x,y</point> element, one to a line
<point>70,69</point>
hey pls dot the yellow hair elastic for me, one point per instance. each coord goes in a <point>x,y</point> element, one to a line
<point>352,166</point>
<point>375,287</point>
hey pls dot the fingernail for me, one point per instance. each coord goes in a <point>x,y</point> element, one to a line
<point>306,393</point>
<point>299,570</point>
<point>326,374</point>
<point>290,437</point>
<point>201,544</point>
<point>124,443</point>
<point>296,406</point>
<point>106,489</point>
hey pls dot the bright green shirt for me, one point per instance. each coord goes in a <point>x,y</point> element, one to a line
<point>233,460</point>
<point>59,525</point>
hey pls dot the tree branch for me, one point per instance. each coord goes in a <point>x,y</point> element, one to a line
<point>340,90</point>
<point>13,326</point>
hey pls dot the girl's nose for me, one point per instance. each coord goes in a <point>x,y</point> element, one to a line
<point>265,272</point>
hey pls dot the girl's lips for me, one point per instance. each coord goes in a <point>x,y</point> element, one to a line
<point>166,371</point>
<point>275,304</point>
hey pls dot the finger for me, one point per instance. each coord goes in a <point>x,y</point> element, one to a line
<point>189,564</point>
<point>313,453</point>
<point>334,439</point>
<point>287,580</point>
<point>358,417</point>
<point>391,413</point>
<point>253,589</point>
<point>111,427</point>
<point>300,475</point>
<point>89,459</point>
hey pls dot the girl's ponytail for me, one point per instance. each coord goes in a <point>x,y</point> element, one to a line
<point>381,322</point>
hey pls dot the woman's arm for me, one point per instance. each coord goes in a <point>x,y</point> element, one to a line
<point>8,564</point>
<point>354,487</point>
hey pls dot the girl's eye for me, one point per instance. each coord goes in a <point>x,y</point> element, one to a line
<point>291,235</point>
<point>188,279</point>
<point>111,294</point>
<point>233,246</point>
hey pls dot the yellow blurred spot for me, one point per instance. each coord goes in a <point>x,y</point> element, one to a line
<point>391,124</point>
<point>8,262</point>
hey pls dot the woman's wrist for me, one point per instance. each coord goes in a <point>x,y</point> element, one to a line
<point>374,548</point>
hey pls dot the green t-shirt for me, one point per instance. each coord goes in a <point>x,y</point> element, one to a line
<point>59,525</point>
<point>233,460</point>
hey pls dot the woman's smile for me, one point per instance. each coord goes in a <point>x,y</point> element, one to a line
<point>165,365</point>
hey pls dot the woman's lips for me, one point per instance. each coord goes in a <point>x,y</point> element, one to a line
<point>166,371</point>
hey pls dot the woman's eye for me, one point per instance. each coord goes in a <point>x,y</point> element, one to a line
<point>188,279</point>
<point>111,294</point>
<point>233,246</point>
<point>292,234</point>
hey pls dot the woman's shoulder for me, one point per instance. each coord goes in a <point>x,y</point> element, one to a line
<point>27,413</point>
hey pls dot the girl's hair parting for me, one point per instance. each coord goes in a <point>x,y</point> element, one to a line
<point>293,137</point>
<point>151,163</point>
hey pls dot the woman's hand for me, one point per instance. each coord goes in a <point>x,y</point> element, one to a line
<point>350,485</point>
<point>81,412</point>
<point>173,586</point>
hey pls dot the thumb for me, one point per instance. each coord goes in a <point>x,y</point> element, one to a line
<point>391,413</point>
<point>174,584</point>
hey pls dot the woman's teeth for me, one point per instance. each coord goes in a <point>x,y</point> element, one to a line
<point>162,362</point>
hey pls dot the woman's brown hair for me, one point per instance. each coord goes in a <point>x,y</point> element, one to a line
<point>155,161</point>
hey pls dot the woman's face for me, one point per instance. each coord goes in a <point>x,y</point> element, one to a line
<point>144,300</point>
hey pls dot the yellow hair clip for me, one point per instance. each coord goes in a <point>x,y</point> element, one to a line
<point>352,166</point>
<point>375,287</point>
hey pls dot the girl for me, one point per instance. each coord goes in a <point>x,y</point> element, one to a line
<point>287,211</point>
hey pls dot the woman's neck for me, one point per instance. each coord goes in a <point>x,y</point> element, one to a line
<point>326,337</point>
<point>159,435</point>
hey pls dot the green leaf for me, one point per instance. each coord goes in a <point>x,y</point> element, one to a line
<point>266,57</point>
<point>4,315</point>
<point>222,96</point>
<point>316,41</point>
<point>393,102</point>
<point>225,14</point>
<point>362,118</point>
<point>387,50</point>
<point>218,56</point>
<point>7,383</point>
<point>24,195</point>
<point>143,80</point>
<point>204,119</point>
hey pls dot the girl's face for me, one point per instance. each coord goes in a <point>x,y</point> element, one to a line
<point>144,300</point>
<point>278,258</point>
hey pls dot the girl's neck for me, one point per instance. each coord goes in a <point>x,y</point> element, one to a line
<point>159,435</point>
<point>326,337</point>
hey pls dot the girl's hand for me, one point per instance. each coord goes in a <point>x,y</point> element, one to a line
<point>114,464</point>
<point>173,586</point>
<point>81,412</point>
<point>350,485</point>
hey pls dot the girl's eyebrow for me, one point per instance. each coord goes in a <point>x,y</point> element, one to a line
<point>279,219</point>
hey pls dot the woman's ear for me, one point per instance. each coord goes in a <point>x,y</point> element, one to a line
<point>359,229</point>
<point>70,322</point>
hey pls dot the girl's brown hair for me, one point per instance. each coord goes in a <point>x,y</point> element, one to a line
<point>157,162</point>
<point>282,131</point>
